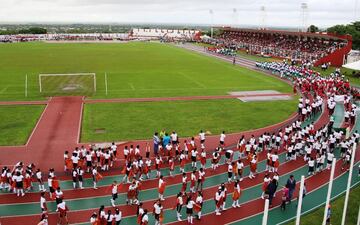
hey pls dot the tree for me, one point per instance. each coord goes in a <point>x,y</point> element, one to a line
<point>312,29</point>
<point>33,30</point>
<point>353,29</point>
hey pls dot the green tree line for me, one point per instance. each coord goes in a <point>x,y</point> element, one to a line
<point>353,29</point>
<point>31,30</point>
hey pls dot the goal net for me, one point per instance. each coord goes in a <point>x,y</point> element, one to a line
<point>67,84</point>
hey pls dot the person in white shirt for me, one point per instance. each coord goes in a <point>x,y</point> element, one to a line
<point>114,148</point>
<point>330,158</point>
<point>194,154</point>
<point>117,216</point>
<point>109,217</point>
<point>240,166</point>
<point>222,138</point>
<point>114,193</point>
<point>145,217</point>
<point>218,201</point>
<point>199,201</point>
<point>75,160</point>
<point>202,137</point>
<point>230,171</point>
<point>157,211</point>
<point>94,174</point>
<point>179,205</point>
<point>189,209</point>
<point>311,164</point>
<point>43,204</point>
<point>18,178</point>
<point>39,178</point>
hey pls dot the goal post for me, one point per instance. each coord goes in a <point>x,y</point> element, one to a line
<point>67,84</point>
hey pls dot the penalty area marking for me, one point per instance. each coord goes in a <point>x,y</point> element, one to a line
<point>261,95</point>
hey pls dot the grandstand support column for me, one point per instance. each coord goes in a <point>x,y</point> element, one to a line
<point>298,212</point>
<point>348,185</point>
<point>328,197</point>
<point>266,212</point>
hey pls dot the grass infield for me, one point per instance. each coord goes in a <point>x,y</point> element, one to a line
<point>127,121</point>
<point>337,207</point>
<point>17,122</point>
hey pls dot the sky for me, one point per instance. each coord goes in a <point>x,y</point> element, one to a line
<point>276,13</point>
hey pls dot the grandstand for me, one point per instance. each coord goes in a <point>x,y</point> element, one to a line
<point>316,48</point>
<point>155,34</point>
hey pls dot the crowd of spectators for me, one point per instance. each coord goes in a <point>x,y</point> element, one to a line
<point>279,45</point>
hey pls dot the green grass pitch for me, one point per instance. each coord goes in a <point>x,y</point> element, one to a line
<point>143,69</point>
<point>17,122</point>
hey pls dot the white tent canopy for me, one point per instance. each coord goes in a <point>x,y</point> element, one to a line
<point>353,65</point>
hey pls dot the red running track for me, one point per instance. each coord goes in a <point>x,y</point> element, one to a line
<point>57,130</point>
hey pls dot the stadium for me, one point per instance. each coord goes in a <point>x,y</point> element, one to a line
<point>217,124</point>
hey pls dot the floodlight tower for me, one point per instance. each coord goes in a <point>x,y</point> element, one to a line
<point>263,17</point>
<point>211,12</point>
<point>304,15</point>
<point>235,17</point>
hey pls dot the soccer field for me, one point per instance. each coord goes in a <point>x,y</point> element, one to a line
<point>144,69</point>
<point>133,70</point>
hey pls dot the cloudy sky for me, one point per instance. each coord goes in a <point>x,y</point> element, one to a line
<point>225,12</point>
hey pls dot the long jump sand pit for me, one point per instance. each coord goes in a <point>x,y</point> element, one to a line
<point>263,95</point>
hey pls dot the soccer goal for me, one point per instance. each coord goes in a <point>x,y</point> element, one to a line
<point>67,84</point>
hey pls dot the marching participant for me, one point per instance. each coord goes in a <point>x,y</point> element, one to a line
<point>145,218</point>
<point>266,182</point>
<point>94,176</point>
<point>215,160</point>
<point>192,181</point>
<point>162,186</point>
<point>139,212</point>
<point>43,204</point>
<point>230,171</point>
<point>218,201</point>
<point>194,154</point>
<point>236,195</point>
<point>80,173</point>
<point>74,177</point>
<point>114,192</point>
<point>132,194</point>
<point>202,137</point>
<point>157,212</point>
<point>201,179</point>
<point>239,167</point>
<point>19,183</point>
<point>182,161</point>
<point>189,209</point>
<point>158,162</point>
<point>253,167</point>
<point>199,203</point>
<point>179,205</point>
<point>222,139</point>
<point>62,216</point>
<point>171,166</point>
<point>184,183</point>
<point>202,158</point>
